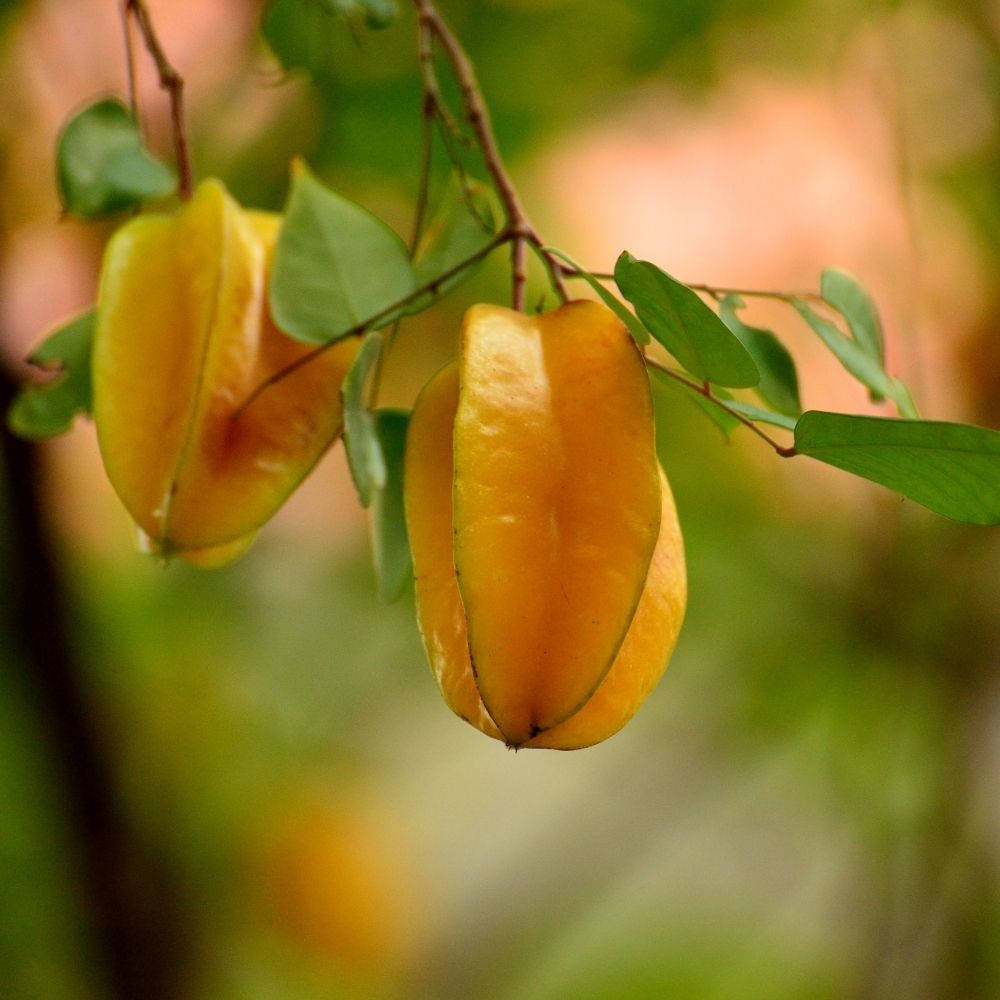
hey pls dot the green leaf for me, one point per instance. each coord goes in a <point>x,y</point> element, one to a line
<point>952,469</point>
<point>857,360</point>
<point>722,419</point>
<point>361,442</point>
<point>761,415</point>
<point>845,293</point>
<point>336,266</point>
<point>47,409</point>
<point>779,382</point>
<point>101,164</point>
<point>390,544</point>
<point>686,327</point>
<point>302,33</point>
<point>639,333</point>
<point>463,222</point>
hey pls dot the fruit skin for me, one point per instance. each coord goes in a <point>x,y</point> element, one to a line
<point>183,335</point>
<point>557,464</point>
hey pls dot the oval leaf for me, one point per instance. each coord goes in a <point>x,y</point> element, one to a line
<point>952,469</point>
<point>336,266</point>
<point>779,381</point>
<point>686,327</point>
<point>102,166</point>
<point>47,409</point>
<point>390,544</point>
<point>364,453</point>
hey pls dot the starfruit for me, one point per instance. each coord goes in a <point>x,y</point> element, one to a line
<point>549,565</point>
<point>183,336</point>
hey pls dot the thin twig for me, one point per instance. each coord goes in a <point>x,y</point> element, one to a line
<point>477,116</point>
<point>755,293</point>
<point>716,291</point>
<point>424,186</point>
<point>373,321</point>
<point>705,390</point>
<point>130,67</point>
<point>172,82</point>
<point>419,221</point>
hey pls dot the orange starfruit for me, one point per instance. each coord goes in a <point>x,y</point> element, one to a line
<point>183,336</point>
<point>548,560</point>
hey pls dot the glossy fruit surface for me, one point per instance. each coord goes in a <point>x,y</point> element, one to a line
<point>548,561</point>
<point>183,335</point>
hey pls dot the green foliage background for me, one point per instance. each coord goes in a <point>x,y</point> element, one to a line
<point>805,808</point>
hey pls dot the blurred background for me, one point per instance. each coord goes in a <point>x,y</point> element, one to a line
<point>243,783</point>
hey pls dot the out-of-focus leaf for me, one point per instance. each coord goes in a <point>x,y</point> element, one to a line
<point>463,223</point>
<point>953,469</point>
<point>639,333</point>
<point>102,166</point>
<point>376,13</point>
<point>361,442</point>
<point>390,544</point>
<point>779,382</point>
<point>686,327</point>
<point>301,33</point>
<point>725,421</point>
<point>335,264</point>
<point>47,409</point>
<point>865,368</point>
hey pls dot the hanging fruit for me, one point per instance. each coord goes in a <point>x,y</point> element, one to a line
<point>548,560</point>
<point>183,335</point>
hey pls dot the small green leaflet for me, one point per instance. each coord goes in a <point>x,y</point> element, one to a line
<point>336,266</point>
<point>686,327</point>
<point>390,543</point>
<point>761,415</point>
<point>865,368</point>
<point>722,419</point>
<point>47,409</point>
<point>952,469</point>
<point>364,453</point>
<point>101,165</point>
<point>779,382</point>
<point>639,333</point>
<point>302,32</point>
<point>845,293</point>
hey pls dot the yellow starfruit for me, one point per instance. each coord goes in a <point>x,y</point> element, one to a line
<point>183,336</point>
<point>548,560</point>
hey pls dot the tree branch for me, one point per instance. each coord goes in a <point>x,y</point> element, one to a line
<point>432,26</point>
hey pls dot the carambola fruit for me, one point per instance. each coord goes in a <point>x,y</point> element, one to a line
<point>548,560</point>
<point>183,336</point>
